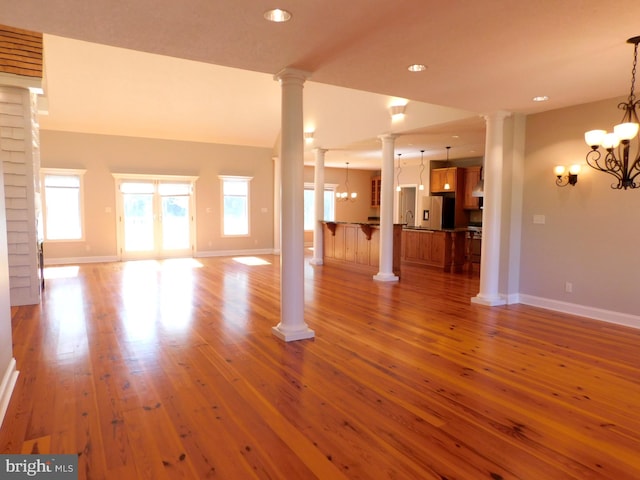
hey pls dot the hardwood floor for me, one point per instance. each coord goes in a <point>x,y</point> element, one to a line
<point>167,370</point>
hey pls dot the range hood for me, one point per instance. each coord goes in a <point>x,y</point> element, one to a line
<point>478,190</point>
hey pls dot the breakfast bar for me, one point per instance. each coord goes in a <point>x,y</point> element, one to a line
<point>357,245</point>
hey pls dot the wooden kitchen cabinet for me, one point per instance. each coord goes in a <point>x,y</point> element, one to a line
<point>471,179</point>
<point>435,248</point>
<point>442,176</point>
<point>357,245</point>
<point>376,187</point>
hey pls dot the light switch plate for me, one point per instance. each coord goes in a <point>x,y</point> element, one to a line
<point>539,219</point>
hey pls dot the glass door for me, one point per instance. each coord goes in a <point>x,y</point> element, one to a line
<point>175,216</point>
<point>138,219</point>
<point>155,219</point>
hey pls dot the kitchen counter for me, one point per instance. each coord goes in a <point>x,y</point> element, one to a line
<point>357,245</point>
<point>435,248</point>
<point>459,229</point>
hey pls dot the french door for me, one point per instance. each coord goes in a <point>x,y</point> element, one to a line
<point>155,216</point>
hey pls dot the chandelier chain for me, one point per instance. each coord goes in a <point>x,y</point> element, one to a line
<point>632,95</point>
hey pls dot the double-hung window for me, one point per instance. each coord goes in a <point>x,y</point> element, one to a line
<point>62,199</point>
<point>235,205</point>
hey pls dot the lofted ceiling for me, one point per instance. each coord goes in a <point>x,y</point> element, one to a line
<point>202,70</point>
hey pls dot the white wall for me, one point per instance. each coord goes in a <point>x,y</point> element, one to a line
<point>590,235</point>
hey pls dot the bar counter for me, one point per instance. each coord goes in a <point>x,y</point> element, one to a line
<point>357,245</point>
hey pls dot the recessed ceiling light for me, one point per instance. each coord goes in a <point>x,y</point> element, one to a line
<point>277,15</point>
<point>417,67</point>
<point>540,98</point>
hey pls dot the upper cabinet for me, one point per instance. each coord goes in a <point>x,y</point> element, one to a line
<point>471,179</point>
<point>441,178</point>
<point>375,191</point>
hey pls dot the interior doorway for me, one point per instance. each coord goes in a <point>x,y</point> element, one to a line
<point>406,205</point>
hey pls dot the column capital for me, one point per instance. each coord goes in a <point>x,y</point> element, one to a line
<point>388,136</point>
<point>320,151</point>
<point>292,75</point>
<point>497,115</point>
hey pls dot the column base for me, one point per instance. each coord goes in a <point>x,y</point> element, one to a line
<point>385,277</point>
<point>489,300</point>
<point>316,261</point>
<point>291,336</point>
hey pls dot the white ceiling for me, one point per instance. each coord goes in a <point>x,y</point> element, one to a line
<point>207,74</point>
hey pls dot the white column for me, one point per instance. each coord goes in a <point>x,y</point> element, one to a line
<point>277,192</point>
<point>386,212</point>
<point>318,185</point>
<point>292,325</point>
<point>492,212</point>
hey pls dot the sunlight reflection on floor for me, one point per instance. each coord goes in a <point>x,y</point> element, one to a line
<point>167,264</point>
<point>70,271</point>
<point>251,261</point>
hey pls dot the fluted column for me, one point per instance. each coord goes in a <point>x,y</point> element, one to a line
<point>385,273</point>
<point>492,212</point>
<point>292,325</point>
<point>318,186</point>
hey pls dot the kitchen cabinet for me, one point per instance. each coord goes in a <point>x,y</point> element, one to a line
<point>435,248</point>
<point>473,247</point>
<point>471,179</point>
<point>357,246</point>
<point>442,176</point>
<point>376,185</point>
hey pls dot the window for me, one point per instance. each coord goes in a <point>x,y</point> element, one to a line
<point>309,205</point>
<point>235,205</point>
<point>62,204</point>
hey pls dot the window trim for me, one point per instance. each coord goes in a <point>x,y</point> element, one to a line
<point>66,172</point>
<point>235,178</point>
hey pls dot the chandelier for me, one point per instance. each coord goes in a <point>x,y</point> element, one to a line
<point>617,144</point>
<point>346,195</point>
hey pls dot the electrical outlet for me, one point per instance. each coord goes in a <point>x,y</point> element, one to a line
<point>568,287</point>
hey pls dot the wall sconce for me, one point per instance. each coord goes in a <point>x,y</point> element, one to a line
<point>571,178</point>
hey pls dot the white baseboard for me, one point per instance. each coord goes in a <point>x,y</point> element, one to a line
<point>234,253</point>
<point>203,254</point>
<point>6,387</point>
<point>76,260</point>
<point>618,318</point>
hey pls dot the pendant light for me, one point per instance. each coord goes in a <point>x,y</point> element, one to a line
<point>346,195</point>
<point>447,186</point>
<point>421,187</point>
<point>398,189</point>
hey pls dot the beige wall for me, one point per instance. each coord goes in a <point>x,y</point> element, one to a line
<point>590,236</point>
<point>102,155</point>
<point>360,182</point>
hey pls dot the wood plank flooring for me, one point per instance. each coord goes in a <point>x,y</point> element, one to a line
<point>169,370</point>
